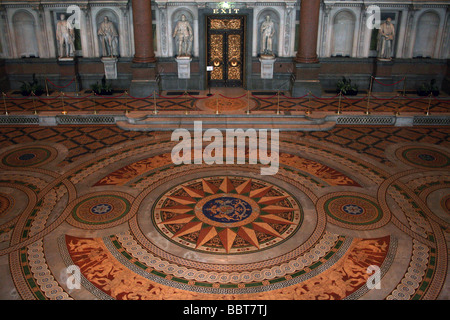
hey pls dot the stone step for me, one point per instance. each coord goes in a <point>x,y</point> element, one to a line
<point>172,123</point>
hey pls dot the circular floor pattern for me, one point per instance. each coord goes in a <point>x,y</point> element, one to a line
<point>227,214</point>
<point>445,203</point>
<point>6,202</point>
<point>101,209</point>
<point>28,157</point>
<point>225,104</point>
<point>422,157</point>
<point>353,210</point>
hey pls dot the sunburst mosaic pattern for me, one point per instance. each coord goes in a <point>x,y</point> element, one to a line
<point>227,214</point>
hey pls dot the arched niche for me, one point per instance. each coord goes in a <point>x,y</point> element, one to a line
<point>276,21</point>
<point>426,35</point>
<point>343,33</point>
<point>175,17</point>
<point>24,26</point>
<point>112,17</point>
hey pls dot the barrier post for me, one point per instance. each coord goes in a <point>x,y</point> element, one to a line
<point>126,102</point>
<point>429,104</point>
<point>62,102</point>
<point>95,103</point>
<point>397,112</point>
<point>4,103</point>
<point>154,103</point>
<point>339,103</point>
<point>309,100</point>
<point>278,102</point>
<point>34,102</point>
<point>368,96</point>
<point>76,87</point>
<point>217,105</point>
<point>404,86</point>
<point>248,102</point>
<point>185,101</point>
<point>46,86</point>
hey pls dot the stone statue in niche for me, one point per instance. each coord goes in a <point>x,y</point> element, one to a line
<point>386,40</point>
<point>65,35</point>
<point>184,37</point>
<point>109,38</point>
<point>267,33</point>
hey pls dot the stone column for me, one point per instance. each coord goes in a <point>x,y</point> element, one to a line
<point>143,31</point>
<point>144,82</point>
<point>308,31</point>
<point>306,61</point>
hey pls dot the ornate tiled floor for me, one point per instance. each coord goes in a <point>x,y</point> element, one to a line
<point>112,203</point>
<point>226,100</point>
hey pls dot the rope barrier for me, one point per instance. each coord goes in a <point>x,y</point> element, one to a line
<point>233,97</point>
<point>325,98</point>
<point>376,98</point>
<point>21,98</point>
<point>294,97</point>
<point>85,97</point>
<point>140,98</point>
<point>441,100</point>
<point>388,85</point>
<point>200,98</point>
<point>264,98</point>
<point>61,87</point>
<point>354,100</point>
<point>169,97</point>
<point>110,97</point>
<point>49,98</point>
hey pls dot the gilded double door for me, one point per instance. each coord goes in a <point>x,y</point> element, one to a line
<point>225,50</point>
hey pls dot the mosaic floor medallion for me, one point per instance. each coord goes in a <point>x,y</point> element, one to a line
<point>28,157</point>
<point>351,209</point>
<point>101,209</point>
<point>224,104</point>
<point>115,207</point>
<point>227,215</point>
<point>423,157</point>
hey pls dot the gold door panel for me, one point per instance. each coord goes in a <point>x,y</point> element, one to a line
<point>225,51</point>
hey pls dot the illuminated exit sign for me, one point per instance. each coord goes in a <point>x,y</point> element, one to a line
<point>225,8</point>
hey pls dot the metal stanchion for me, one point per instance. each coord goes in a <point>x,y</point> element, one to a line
<point>126,103</point>
<point>155,111</point>
<point>278,102</point>
<point>46,86</point>
<point>34,102</point>
<point>368,96</point>
<point>309,100</point>
<point>397,112</point>
<point>62,102</point>
<point>95,103</point>
<point>186,99</point>
<point>248,102</point>
<point>339,103</point>
<point>76,87</point>
<point>4,103</point>
<point>429,104</point>
<point>217,105</point>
